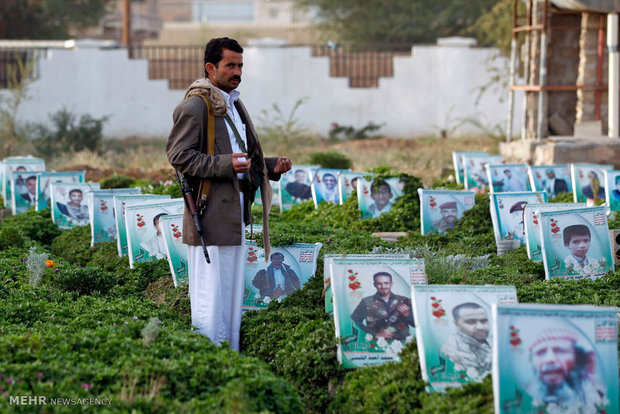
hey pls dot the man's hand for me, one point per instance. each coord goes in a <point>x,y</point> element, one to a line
<point>282,165</point>
<point>238,165</point>
<point>403,309</point>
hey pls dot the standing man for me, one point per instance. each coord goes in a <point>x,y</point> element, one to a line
<point>216,288</point>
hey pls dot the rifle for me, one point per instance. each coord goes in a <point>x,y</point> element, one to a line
<point>186,190</point>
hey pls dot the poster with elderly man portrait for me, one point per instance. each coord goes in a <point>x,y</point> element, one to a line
<point>575,243</point>
<point>507,213</point>
<point>553,179</point>
<point>507,178</point>
<point>287,269</point>
<point>373,313</point>
<point>325,186</point>
<point>589,182</point>
<point>69,204</point>
<point>440,209</point>
<point>453,331</point>
<point>555,359</point>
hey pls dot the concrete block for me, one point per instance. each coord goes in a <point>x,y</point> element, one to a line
<point>588,129</point>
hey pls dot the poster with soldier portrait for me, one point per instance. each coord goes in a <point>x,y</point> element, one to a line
<point>325,186</point>
<point>101,213</point>
<point>21,165</point>
<point>453,331</point>
<point>475,176</point>
<point>376,196</point>
<point>507,213</point>
<point>507,178</point>
<point>24,196</point>
<point>589,182</point>
<point>441,209</point>
<point>145,241</point>
<point>612,183</point>
<point>531,221</point>
<point>373,314</point>
<point>295,186</point>
<point>122,201</point>
<point>69,203</point>
<point>457,161</point>
<point>555,359</point>
<point>172,232</point>
<point>575,243</point>
<point>45,178</point>
<point>287,269</point>
<point>553,179</point>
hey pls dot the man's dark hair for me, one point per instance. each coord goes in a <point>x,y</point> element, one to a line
<point>376,275</point>
<point>156,218</point>
<point>276,254</point>
<point>575,230</point>
<point>75,190</point>
<point>213,50</point>
<point>32,177</point>
<point>466,305</point>
<point>374,187</point>
<point>329,175</point>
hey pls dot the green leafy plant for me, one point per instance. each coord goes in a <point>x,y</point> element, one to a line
<point>339,132</point>
<point>116,181</point>
<point>330,159</point>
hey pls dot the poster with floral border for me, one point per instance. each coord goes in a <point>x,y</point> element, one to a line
<point>612,194</point>
<point>325,186</point>
<point>507,213</point>
<point>45,178</point>
<point>456,350</point>
<point>23,191</point>
<point>576,243</point>
<point>296,186</point>
<point>327,262</point>
<point>531,220</point>
<point>588,182</point>
<point>457,162</point>
<point>555,359</point>
<point>553,179</point>
<point>102,215</point>
<point>441,209</point>
<point>369,331</point>
<point>144,239</point>
<point>295,263</point>
<point>375,200</point>
<point>508,178</point>
<point>347,182</point>
<point>70,203</point>
<point>475,177</point>
<point>21,163</point>
<point>122,201</point>
<point>172,231</point>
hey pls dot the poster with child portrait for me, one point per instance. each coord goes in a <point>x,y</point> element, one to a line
<point>376,196</point>
<point>24,196</point>
<point>555,359</point>
<point>453,331</point>
<point>553,179</point>
<point>21,165</point>
<point>441,209</point>
<point>172,231</point>
<point>287,270</point>
<point>575,243</point>
<point>119,203</point>
<point>457,161</point>
<point>373,313</point>
<point>531,217</point>
<point>589,182</point>
<point>612,183</point>
<point>507,178</point>
<point>101,212</point>
<point>145,241</point>
<point>475,175</point>
<point>69,203</point>
<point>295,186</point>
<point>507,213</point>
<point>45,178</point>
<point>325,186</point>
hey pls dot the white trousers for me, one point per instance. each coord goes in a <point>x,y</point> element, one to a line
<point>216,289</point>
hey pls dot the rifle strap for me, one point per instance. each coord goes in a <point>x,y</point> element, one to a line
<point>205,184</point>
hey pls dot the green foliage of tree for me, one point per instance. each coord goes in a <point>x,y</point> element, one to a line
<point>13,133</point>
<point>494,28</point>
<point>396,21</point>
<point>47,19</point>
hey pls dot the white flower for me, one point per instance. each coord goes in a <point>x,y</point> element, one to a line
<point>458,367</point>
<point>595,265</point>
<point>381,342</point>
<point>472,373</point>
<point>266,300</point>
<point>369,337</point>
<point>408,339</point>
<point>396,347</point>
<point>257,296</point>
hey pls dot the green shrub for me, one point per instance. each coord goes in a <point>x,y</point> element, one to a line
<point>330,159</point>
<point>35,225</point>
<point>11,236</point>
<point>84,280</point>
<point>116,181</point>
<point>73,245</point>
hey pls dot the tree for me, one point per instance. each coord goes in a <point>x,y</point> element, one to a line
<point>48,19</point>
<point>395,21</point>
